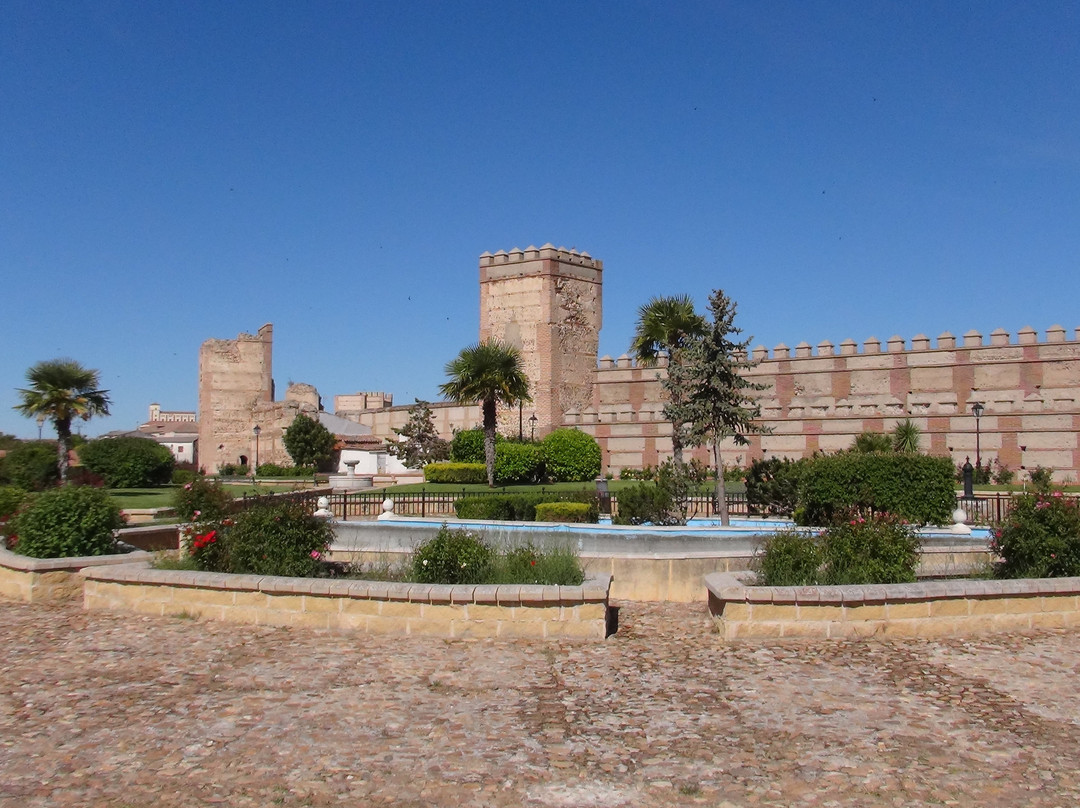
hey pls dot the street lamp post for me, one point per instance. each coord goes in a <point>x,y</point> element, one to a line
<point>977,411</point>
<point>532,428</point>
<point>256,430</point>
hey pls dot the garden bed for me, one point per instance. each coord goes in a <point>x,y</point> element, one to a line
<point>961,607</point>
<point>510,611</point>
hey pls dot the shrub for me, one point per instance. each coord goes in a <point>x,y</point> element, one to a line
<point>577,512</point>
<point>452,557</point>
<point>519,507</point>
<point>276,538</point>
<point>275,470</point>
<point>184,473</point>
<point>529,565</point>
<point>788,558</point>
<point>517,463</point>
<point>202,498</point>
<point>1002,475</point>
<point>1042,479</point>
<point>647,473</point>
<point>31,465</point>
<point>912,486</point>
<point>128,462</point>
<point>880,550</point>
<point>460,473</point>
<point>11,497</point>
<point>233,470</point>
<point>1041,538</point>
<point>67,522</point>
<point>644,503</point>
<point>571,455</point>
<point>772,485</point>
<point>467,446</point>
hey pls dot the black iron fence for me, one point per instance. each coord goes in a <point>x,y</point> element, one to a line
<point>983,509</point>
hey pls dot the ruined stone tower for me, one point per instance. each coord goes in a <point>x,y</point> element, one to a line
<point>545,302</point>
<point>235,377</point>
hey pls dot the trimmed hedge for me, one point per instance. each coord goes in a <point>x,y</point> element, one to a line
<point>772,485</point>
<point>519,507</point>
<point>577,512</point>
<point>517,463</point>
<point>467,446</point>
<point>463,473</point>
<point>571,456</point>
<point>913,487</point>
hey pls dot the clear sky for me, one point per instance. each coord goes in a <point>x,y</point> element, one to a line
<point>175,171</point>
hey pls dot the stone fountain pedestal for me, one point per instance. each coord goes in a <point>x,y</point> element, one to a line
<point>351,481</point>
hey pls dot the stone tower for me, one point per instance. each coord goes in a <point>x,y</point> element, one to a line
<point>235,378</point>
<point>546,303</point>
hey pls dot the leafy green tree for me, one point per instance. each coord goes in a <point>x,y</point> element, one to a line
<point>667,325</point>
<point>308,442</point>
<point>715,399</point>
<point>905,436</point>
<point>60,391</point>
<point>488,373</point>
<point>419,443</point>
<point>128,462</point>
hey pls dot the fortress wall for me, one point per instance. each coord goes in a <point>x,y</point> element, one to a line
<point>823,398</point>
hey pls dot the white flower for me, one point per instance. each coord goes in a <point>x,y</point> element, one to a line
<point>425,562</point>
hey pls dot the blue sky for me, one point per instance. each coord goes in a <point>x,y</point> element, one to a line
<point>171,172</point>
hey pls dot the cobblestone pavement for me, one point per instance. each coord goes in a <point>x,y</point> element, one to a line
<point>119,710</point>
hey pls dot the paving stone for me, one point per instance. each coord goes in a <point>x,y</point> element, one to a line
<point>122,710</point>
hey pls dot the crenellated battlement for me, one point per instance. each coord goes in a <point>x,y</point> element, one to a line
<point>548,252</point>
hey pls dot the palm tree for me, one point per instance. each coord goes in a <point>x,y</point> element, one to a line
<point>667,324</point>
<point>489,373</point>
<point>905,436</point>
<point>60,391</point>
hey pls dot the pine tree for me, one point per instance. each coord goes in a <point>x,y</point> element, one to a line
<point>418,443</point>
<point>715,395</point>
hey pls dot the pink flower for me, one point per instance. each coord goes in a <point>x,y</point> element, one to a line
<point>316,554</point>
<point>187,487</point>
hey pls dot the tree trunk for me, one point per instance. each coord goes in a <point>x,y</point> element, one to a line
<point>721,492</point>
<point>676,445</point>
<point>489,441</point>
<point>63,444</point>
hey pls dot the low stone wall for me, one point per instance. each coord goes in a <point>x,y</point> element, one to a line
<point>930,609</point>
<point>37,579</point>
<point>540,612</point>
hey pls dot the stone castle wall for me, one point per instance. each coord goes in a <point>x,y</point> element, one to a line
<point>822,400</point>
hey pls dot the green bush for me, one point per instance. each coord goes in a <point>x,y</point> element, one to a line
<point>577,512</point>
<point>520,507</point>
<point>11,497</point>
<point>459,473</point>
<point>912,486</point>
<point>571,455</point>
<point>1042,479</point>
<point>788,558</point>
<point>883,549</point>
<point>184,473</point>
<point>31,465</point>
<point>647,473</point>
<point>517,463</point>
<point>276,538</point>
<point>233,470</point>
<point>644,503</point>
<point>528,565</point>
<point>1041,538</point>
<point>128,462</point>
<point>202,498</point>
<point>452,557</point>
<point>772,485</point>
<point>467,446</point>
<point>67,522</point>
<point>275,470</point>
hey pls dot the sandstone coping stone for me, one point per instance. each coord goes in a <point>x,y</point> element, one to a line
<point>72,564</point>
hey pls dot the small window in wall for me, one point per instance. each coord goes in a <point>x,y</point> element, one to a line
<point>179,449</point>
<point>243,460</point>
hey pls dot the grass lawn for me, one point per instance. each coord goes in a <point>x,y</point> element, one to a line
<point>138,498</point>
